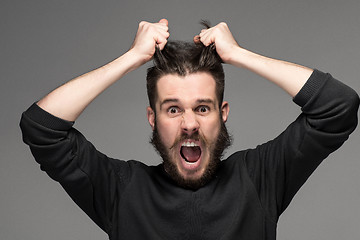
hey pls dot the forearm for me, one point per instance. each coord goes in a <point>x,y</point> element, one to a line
<point>289,76</point>
<point>69,100</point>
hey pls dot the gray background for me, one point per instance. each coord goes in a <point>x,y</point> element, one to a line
<point>46,43</point>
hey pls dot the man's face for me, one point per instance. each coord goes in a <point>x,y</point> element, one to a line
<point>188,126</point>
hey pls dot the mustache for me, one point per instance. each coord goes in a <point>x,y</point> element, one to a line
<point>196,136</point>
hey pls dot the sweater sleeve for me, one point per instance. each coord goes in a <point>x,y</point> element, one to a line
<point>90,178</point>
<point>280,167</point>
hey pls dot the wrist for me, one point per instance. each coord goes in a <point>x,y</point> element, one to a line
<point>137,59</point>
<point>130,61</point>
<point>241,57</point>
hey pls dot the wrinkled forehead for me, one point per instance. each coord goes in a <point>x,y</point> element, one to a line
<point>192,86</point>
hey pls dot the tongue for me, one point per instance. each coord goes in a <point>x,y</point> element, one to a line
<point>191,154</point>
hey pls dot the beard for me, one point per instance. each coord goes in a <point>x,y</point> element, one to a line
<point>217,148</point>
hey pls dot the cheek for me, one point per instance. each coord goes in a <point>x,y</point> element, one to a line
<point>168,131</point>
<point>210,129</point>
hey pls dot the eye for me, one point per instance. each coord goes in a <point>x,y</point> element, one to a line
<point>203,109</point>
<point>173,110</point>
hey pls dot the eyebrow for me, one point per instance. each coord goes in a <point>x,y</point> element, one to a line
<point>206,100</point>
<point>199,101</point>
<point>169,100</point>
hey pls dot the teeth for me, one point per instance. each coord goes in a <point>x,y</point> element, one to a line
<point>189,144</point>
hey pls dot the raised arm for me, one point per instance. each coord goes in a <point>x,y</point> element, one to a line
<point>289,76</point>
<point>278,168</point>
<point>69,100</point>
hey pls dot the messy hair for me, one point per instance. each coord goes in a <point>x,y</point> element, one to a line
<point>183,58</point>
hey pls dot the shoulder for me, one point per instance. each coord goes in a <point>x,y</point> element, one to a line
<point>234,161</point>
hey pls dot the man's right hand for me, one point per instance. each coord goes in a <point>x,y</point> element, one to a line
<point>69,100</point>
<point>148,36</point>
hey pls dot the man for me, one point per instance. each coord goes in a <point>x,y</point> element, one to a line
<point>192,195</point>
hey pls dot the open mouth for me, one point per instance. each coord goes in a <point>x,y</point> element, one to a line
<point>190,151</point>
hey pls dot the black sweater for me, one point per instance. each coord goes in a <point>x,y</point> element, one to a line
<point>130,200</point>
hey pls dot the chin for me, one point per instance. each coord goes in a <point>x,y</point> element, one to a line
<point>192,179</point>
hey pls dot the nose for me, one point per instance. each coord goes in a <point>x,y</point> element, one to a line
<point>189,124</point>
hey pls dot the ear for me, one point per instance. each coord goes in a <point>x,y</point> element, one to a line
<point>151,117</point>
<point>225,108</point>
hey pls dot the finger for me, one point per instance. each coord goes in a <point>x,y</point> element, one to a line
<point>206,38</point>
<point>164,31</point>
<point>161,42</point>
<point>204,32</point>
<point>197,39</point>
<point>161,26</point>
<point>161,36</point>
<point>164,35</point>
<point>164,21</point>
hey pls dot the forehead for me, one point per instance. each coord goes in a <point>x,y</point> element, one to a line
<point>198,85</point>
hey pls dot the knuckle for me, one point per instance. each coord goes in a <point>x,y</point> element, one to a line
<point>145,25</point>
<point>142,23</point>
<point>223,24</point>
